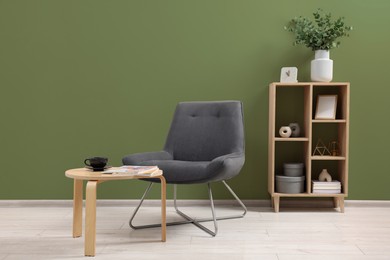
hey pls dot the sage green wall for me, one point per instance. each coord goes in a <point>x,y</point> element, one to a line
<point>84,78</point>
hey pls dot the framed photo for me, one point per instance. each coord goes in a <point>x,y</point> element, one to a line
<point>326,107</point>
<point>289,74</point>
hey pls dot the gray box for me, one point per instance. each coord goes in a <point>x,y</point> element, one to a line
<point>293,169</point>
<point>286,184</point>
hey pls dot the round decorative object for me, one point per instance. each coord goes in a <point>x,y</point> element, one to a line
<point>285,131</point>
<point>295,129</point>
<point>325,176</point>
<point>322,67</point>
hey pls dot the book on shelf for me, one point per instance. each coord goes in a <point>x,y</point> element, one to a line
<point>326,185</point>
<point>134,170</point>
<point>327,188</point>
<point>331,191</point>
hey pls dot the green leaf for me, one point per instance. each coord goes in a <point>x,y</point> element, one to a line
<point>320,34</point>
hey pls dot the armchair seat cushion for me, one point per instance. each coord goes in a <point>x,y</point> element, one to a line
<point>184,172</point>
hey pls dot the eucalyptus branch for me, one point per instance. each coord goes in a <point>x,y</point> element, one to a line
<point>322,34</point>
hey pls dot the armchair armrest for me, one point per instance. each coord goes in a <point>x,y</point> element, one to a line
<point>226,166</point>
<point>137,158</point>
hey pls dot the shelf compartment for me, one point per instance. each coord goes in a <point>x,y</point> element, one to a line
<point>290,108</point>
<point>328,133</point>
<point>289,152</point>
<point>336,168</point>
<point>292,139</point>
<point>339,89</point>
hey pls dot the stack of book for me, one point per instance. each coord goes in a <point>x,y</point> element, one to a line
<point>126,170</point>
<point>332,187</point>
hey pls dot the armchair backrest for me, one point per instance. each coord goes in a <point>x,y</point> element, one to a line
<point>202,131</point>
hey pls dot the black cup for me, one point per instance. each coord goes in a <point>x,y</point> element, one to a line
<point>97,163</point>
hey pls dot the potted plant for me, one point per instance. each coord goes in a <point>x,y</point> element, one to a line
<point>320,35</point>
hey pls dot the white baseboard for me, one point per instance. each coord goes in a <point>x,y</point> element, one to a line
<point>307,203</point>
<point>131,203</point>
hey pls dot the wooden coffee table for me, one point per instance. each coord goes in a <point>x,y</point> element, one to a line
<point>93,179</point>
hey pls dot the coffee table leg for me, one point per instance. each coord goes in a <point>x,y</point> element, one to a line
<point>90,218</point>
<point>163,210</point>
<point>77,208</point>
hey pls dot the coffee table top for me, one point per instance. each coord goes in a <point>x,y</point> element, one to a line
<point>88,174</point>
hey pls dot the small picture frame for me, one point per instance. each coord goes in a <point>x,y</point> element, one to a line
<point>326,107</point>
<point>289,74</point>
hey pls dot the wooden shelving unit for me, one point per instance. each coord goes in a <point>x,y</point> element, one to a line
<point>296,102</point>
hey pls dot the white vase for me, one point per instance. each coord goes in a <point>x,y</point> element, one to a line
<point>322,67</point>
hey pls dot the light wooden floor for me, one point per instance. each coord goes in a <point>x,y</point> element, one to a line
<point>45,233</point>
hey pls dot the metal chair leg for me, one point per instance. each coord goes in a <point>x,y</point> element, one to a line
<point>151,225</point>
<point>195,221</point>
<point>224,217</point>
<point>238,200</point>
<point>190,220</point>
<point>139,205</point>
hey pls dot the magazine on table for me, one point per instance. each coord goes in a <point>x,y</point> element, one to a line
<point>134,170</point>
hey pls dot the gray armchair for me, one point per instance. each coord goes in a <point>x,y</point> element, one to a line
<point>205,144</point>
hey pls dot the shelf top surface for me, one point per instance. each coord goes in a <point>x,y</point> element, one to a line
<point>309,83</point>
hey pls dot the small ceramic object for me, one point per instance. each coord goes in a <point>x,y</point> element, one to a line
<point>325,176</point>
<point>285,131</point>
<point>295,129</point>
